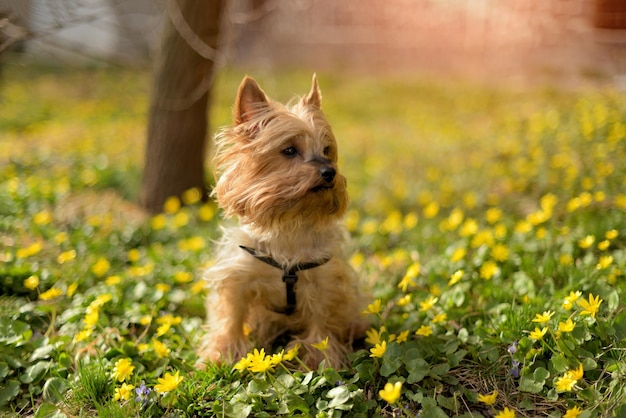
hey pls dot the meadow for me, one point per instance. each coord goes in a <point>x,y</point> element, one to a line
<point>488,224</point>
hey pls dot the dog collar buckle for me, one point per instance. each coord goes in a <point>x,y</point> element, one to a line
<point>290,277</point>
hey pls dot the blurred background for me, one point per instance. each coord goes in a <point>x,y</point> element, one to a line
<point>558,41</point>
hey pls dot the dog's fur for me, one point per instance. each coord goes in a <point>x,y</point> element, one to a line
<point>277,173</point>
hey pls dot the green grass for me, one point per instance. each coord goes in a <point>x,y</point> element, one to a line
<point>474,209</point>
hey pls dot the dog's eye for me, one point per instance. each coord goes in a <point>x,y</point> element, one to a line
<point>326,151</point>
<point>290,152</point>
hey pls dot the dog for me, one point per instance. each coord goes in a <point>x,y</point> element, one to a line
<point>283,269</point>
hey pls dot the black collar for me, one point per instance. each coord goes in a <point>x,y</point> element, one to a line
<point>290,276</point>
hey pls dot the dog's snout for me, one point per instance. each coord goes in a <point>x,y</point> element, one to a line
<point>328,174</point>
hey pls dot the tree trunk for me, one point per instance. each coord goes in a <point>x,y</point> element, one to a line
<point>178,114</point>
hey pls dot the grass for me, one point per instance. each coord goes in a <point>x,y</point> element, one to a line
<point>489,224</point>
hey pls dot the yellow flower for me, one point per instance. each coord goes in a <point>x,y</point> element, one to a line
<point>379,350</point>
<point>428,304</point>
<point>488,270</point>
<point>431,210</point>
<point>493,215</point>
<point>42,218</point>
<point>163,287</point>
<point>91,318</point>
<point>183,277</point>
<point>469,227</point>
<point>191,196</point>
<point>123,393</point>
<point>292,353</point>
<point>569,301</point>
<point>564,383</point>
<point>258,361</point>
<point>404,300</point>
<point>566,260</point>
<point>458,254</point>
<point>544,317</point>
<point>489,399</point>
<point>168,383</point>
<point>604,245</point>
<point>604,262</point>
<point>403,336</point>
<point>442,317</point>
<point>391,392</point>
<point>612,234</point>
<point>51,293</point>
<point>82,335</point>
<point>171,205</point>
<point>374,336</point>
<point>101,266</point>
<point>538,334</point>
<point>322,345</point>
<point>112,280</point>
<point>206,212</point>
<point>412,272</point>
<point>373,308</point>
<point>425,330</point>
<point>506,413</point>
<point>456,277</point>
<point>158,222</point>
<point>567,326</point>
<point>576,374</point>
<point>133,255</point>
<point>242,364</point>
<point>572,412</point>
<point>500,252</point>
<point>123,369</point>
<point>160,349</point>
<point>586,242</point>
<point>31,283</point>
<point>66,256</point>
<point>591,307</point>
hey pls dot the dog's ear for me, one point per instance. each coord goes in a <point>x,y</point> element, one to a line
<point>314,98</point>
<point>250,102</point>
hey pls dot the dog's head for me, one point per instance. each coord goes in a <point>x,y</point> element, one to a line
<point>278,164</point>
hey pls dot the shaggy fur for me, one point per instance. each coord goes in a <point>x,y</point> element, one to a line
<point>277,173</point>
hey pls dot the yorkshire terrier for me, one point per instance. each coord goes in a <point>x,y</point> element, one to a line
<point>283,270</point>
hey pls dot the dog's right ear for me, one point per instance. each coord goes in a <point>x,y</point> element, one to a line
<point>250,102</point>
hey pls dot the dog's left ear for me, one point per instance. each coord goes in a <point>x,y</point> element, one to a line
<point>314,98</point>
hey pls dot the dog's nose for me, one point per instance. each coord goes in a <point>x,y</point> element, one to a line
<point>328,174</point>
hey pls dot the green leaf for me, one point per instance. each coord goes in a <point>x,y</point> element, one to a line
<point>433,412</point>
<point>35,373</point>
<point>4,370</point>
<point>559,363</point>
<point>54,388</point>
<point>47,410</point>
<point>338,396</point>
<point>8,391</point>
<point>439,370</point>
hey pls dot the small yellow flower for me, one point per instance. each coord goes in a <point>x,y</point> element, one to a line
<point>379,350</point>
<point>612,234</point>
<point>538,334</point>
<point>566,260</point>
<point>489,399</point>
<point>206,212</point>
<point>112,280</point>
<point>567,326</point>
<point>604,262</point>
<point>456,277</point>
<point>158,222</point>
<point>569,301</point>
<point>171,205</point>
<point>431,210</point>
<point>374,336</point>
<point>604,245</point>
<point>42,218</point>
<point>242,364</point>
<point>425,331</point>
<point>442,317</point>
<point>373,308</point>
<point>577,373</point>
<point>66,256</point>
<point>82,335</point>
<point>123,393</point>
<point>168,383</point>
<point>123,369</point>
<point>51,293</point>
<point>493,215</point>
<point>586,242</point>
<point>31,283</point>
<point>391,392</point>
<point>564,383</point>
<point>259,362</point>
<point>488,270</point>
<point>191,196</point>
<point>500,252</point>
<point>403,336</point>
<point>544,317</point>
<point>458,254</point>
<point>160,349</point>
<point>506,413</point>
<point>163,287</point>
<point>428,304</point>
<point>322,345</point>
<point>183,277</point>
<point>101,266</point>
<point>592,307</point>
<point>572,412</point>
<point>292,353</point>
<point>91,318</point>
<point>404,300</point>
<point>408,280</point>
<point>133,255</point>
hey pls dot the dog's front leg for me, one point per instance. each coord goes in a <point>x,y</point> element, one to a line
<point>227,307</point>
